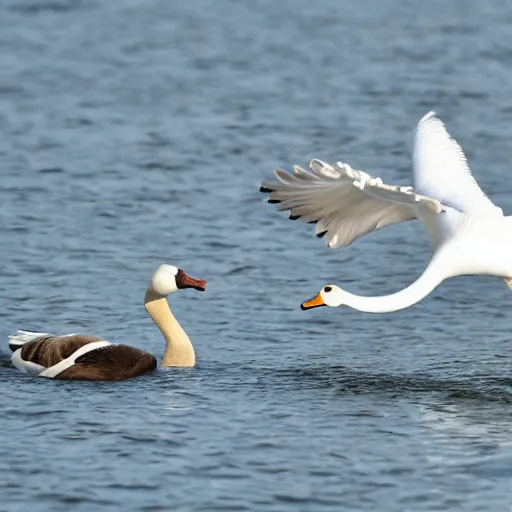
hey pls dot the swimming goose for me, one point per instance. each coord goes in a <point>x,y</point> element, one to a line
<point>84,357</point>
<point>468,233</point>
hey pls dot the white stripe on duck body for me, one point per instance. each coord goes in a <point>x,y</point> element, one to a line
<point>469,234</point>
<point>85,357</point>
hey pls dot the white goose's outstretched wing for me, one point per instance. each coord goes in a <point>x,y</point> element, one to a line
<point>343,203</point>
<point>441,170</point>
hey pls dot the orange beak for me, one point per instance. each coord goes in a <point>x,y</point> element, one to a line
<point>315,302</point>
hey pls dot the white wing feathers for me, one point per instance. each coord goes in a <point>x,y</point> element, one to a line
<point>21,337</point>
<point>343,203</point>
<point>441,170</point>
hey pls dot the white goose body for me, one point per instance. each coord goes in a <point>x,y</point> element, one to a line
<point>469,234</point>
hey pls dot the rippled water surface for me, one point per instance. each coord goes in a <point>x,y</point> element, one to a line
<point>135,133</point>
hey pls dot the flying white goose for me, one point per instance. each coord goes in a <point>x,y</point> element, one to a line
<point>468,233</point>
<point>84,357</point>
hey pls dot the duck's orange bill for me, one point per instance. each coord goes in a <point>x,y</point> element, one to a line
<point>315,302</point>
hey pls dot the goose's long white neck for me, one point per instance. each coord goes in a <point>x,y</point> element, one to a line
<point>433,275</point>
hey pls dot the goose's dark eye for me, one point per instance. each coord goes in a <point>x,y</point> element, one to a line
<point>327,289</point>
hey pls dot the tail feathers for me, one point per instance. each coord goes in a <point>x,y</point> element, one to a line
<point>19,339</point>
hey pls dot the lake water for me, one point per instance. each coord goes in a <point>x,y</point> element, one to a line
<point>135,133</point>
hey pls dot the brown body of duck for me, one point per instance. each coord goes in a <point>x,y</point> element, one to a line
<point>85,357</point>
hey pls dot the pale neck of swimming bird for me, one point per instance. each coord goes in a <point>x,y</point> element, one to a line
<point>179,350</point>
<point>433,275</point>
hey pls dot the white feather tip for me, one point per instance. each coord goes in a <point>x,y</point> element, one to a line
<point>428,116</point>
<point>21,337</point>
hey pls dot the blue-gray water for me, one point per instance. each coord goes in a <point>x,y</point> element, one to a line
<point>134,133</point>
